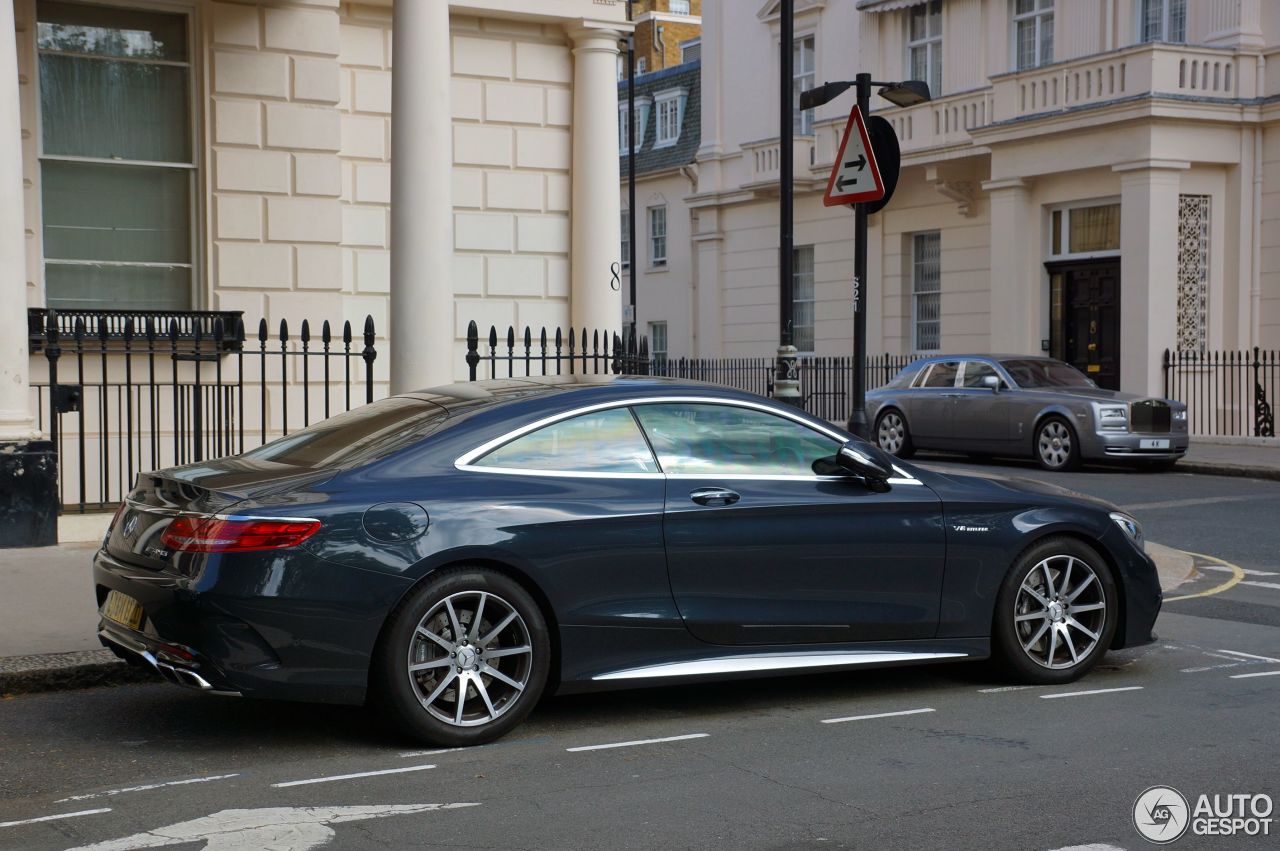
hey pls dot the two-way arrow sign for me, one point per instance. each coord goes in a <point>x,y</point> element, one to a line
<point>855,178</point>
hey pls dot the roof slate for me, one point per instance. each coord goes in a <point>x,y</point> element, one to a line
<point>649,159</point>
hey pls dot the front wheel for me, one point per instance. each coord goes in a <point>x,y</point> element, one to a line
<point>1056,613</point>
<point>463,660</point>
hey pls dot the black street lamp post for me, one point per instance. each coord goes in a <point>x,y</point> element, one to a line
<point>905,93</point>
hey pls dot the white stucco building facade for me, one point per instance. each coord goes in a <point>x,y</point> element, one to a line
<point>423,162</point>
<point>1091,180</point>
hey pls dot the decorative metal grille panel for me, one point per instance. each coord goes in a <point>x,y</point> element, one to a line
<point>1193,272</point>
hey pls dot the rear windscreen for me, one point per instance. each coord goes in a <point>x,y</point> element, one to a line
<point>357,436</point>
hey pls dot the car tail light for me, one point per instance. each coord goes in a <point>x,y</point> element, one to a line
<point>202,534</point>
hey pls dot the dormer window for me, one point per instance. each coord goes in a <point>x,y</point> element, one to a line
<point>641,119</point>
<point>670,108</point>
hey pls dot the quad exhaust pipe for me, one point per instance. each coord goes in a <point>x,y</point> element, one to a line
<point>176,674</point>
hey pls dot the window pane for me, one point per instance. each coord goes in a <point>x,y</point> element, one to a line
<point>935,17</point>
<point>1094,229</point>
<point>1177,20</point>
<point>1026,44</point>
<point>109,31</point>
<point>1152,23</point>
<point>917,23</point>
<point>942,375</point>
<point>602,442</point>
<point>1046,39</point>
<point>96,211</point>
<point>920,64</point>
<point>90,287</point>
<point>935,68</point>
<point>1024,6</point>
<point>114,109</point>
<point>975,371</point>
<point>802,306</point>
<point>724,440</point>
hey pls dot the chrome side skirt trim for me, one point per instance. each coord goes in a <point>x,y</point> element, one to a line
<point>772,662</point>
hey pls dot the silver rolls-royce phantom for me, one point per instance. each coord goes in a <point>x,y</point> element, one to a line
<point>1020,405</point>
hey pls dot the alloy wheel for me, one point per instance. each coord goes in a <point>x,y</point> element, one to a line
<point>470,658</point>
<point>1060,612</point>
<point>1055,444</point>
<point>892,433</point>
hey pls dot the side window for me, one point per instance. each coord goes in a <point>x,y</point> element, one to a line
<point>727,440</point>
<point>943,374</point>
<point>975,371</point>
<point>601,442</point>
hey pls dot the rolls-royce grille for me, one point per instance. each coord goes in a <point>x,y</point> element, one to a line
<point>1151,417</point>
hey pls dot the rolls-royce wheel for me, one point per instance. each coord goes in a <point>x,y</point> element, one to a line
<point>892,435</point>
<point>463,659</point>
<point>1056,612</point>
<point>1057,449</point>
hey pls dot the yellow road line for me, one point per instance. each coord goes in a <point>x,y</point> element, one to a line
<point>1237,574</point>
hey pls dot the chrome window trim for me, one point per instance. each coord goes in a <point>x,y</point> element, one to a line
<point>466,461</point>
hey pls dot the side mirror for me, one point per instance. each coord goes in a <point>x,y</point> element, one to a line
<point>991,381</point>
<point>852,459</point>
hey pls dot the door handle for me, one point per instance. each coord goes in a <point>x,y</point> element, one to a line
<point>714,496</point>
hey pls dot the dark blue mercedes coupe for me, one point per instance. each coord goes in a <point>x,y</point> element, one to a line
<point>451,555</point>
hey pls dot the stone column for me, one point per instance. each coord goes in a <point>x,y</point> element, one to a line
<point>16,422</point>
<point>1148,270</point>
<point>422,331</point>
<point>596,250</point>
<point>28,466</point>
<point>1015,285</point>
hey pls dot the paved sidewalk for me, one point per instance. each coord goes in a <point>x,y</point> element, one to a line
<point>1252,460</point>
<point>48,619</point>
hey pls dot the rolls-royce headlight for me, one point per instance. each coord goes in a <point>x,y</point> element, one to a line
<point>1180,415</point>
<point>1113,417</point>
<point>1131,527</point>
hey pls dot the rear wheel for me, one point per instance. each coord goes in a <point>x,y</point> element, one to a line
<point>892,435</point>
<point>464,658</point>
<point>1056,446</point>
<point>1056,613</point>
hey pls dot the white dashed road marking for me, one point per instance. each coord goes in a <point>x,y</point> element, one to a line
<point>1000,689</point>
<point>1257,674</point>
<point>145,788</point>
<point>637,742</point>
<point>1251,656</point>
<point>351,776</point>
<point>1097,846</point>
<point>877,715</point>
<point>433,753</point>
<point>1091,691</point>
<point>52,818</point>
<point>1246,572</point>
<point>1275,586</point>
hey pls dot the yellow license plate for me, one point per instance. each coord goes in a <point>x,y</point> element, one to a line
<point>122,609</point>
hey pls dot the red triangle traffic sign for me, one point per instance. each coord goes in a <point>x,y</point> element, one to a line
<point>855,177</point>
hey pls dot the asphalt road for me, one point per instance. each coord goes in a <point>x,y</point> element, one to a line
<point>957,759</point>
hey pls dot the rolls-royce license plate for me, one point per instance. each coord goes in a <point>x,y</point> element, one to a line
<point>1153,443</point>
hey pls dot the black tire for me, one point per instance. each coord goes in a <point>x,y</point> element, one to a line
<point>891,431</point>
<point>1055,445</point>
<point>419,704</point>
<point>1015,627</point>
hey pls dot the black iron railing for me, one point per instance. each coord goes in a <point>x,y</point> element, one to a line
<point>121,397</point>
<point>826,383</point>
<point>1227,393</point>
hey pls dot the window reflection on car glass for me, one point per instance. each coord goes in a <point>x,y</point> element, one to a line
<point>975,371</point>
<point>1045,373</point>
<point>361,434</point>
<point>943,374</point>
<point>722,439</point>
<point>600,442</point>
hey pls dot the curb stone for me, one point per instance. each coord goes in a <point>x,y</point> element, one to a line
<point>62,671</point>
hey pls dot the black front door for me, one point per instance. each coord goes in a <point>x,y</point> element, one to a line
<point>1085,326</point>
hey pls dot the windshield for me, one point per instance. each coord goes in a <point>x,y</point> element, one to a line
<point>1045,373</point>
<point>356,436</point>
